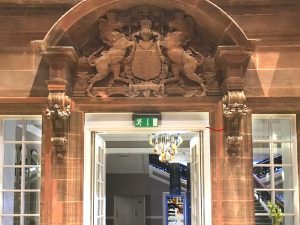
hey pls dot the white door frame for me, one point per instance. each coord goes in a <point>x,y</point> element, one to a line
<point>122,123</point>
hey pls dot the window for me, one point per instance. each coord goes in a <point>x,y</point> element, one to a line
<point>20,150</point>
<point>275,166</point>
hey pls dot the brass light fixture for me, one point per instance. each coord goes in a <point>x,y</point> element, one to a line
<point>165,145</point>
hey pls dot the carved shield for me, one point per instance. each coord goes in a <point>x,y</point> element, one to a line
<point>146,63</point>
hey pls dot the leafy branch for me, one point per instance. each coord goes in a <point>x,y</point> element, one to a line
<point>275,213</point>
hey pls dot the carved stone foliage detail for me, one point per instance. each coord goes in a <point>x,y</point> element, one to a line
<point>59,112</point>
<point>234,104</point>
<point>234,108</point>
<point>60,146</point>
<point>146,51</point>
<point>58,106</point>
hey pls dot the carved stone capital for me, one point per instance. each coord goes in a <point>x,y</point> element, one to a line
<point>58,106</point>
<point>60,146</point>
<point>231,63</point>
<point>62,62</point>
<point>59,54</point>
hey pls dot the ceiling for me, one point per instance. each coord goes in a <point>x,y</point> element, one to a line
<point>128,153</point>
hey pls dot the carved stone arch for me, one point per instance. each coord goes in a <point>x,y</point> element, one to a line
<point>79,28</point>
<point>212,19</point>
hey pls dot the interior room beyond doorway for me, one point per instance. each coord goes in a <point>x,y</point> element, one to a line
<point>135,185</point>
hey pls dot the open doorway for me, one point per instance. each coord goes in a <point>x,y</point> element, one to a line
<point>130,185</point>
<point>136,180</point>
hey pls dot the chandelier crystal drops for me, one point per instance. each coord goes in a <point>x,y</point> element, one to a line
<point>165,145</point>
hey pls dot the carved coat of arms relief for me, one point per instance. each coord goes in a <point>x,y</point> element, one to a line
<point>145,53</point>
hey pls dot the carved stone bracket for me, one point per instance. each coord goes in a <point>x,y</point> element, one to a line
<point>234,108</point>
<point>59,112</point>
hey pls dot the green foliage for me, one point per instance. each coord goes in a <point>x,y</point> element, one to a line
<point>275,213</point>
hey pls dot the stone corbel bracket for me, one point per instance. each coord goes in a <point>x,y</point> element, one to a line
<point>234,108</point>
<point>58,112</point>
<point>59,105</point>
<point>62,62</point>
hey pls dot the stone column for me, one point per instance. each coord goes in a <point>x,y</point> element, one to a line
<point>233,200</point>
<point>175,188</point>
<point>62,164</point>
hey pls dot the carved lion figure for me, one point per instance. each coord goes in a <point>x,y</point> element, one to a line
<point>181,60</point>
<point>110,61</point>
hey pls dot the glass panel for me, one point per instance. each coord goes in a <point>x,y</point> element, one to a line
<point>98,189</point>
<point>261,129</point>
<point>262,177</point>
<point>102,190</point>
<point>13,130</point>
<point>31,220</point>
<point>99,172</point>
<point>32,178</point>
<point>32,202</point>
<point>33,130</point>
<point>263,220</point>
<point>12,178</point>
<point>32,154</point>
<point>281,129</point>
<point>11,202</point>
<point>282,153</point>
<point>283,177</point>
<point>261,153</point>
<point>288,220</point>
<point>263,196</point>
<point>99,208</point>
<point>100,154</point>
<point>12,154</point>
<point>11,220</point>
<point>284,199</point>
<point>260,205</point>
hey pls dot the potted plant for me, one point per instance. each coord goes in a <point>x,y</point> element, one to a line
<point>275,213</point>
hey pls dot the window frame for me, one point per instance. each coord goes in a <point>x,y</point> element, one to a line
<point>272,165</point>
<point>23,142</point>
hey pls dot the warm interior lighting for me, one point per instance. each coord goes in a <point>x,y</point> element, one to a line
<point>165,145</point>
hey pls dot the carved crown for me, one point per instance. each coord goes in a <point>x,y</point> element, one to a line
<point>145,24</point>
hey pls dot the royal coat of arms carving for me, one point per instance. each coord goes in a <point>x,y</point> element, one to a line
<point>146,52</point>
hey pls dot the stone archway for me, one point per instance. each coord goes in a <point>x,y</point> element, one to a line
<point>76,36</point>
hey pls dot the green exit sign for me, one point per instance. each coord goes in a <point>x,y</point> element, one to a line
<point>146,122</point>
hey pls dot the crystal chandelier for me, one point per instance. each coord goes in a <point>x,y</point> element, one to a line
<point>165,145</point>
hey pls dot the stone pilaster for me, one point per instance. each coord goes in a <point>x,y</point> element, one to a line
<point>62,63</point>
<point>62,171</point>
<point>232,164</point>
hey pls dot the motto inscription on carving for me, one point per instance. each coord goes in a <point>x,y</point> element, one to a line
<point>146,52</point>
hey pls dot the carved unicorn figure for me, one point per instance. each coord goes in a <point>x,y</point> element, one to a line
<point>181,60</point>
